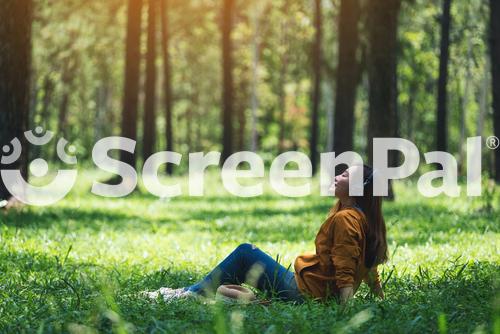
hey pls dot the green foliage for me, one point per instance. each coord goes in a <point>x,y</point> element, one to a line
<point>85,44</point>
<point>79,51</point>
<point>79,266</point>
<point>418,72</point>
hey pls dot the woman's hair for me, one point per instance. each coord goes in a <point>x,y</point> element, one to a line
<point>376,242</point>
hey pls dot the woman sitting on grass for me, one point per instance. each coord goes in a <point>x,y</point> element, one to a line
<point>349,246</point>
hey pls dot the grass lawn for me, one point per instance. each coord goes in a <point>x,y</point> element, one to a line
<point>77,266</point>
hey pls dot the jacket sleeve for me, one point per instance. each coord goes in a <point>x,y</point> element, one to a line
<point>346,249</point>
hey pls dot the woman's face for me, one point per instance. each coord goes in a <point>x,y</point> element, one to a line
<point>341,182</point>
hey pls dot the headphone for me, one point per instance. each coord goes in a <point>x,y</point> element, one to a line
<point>369,178</point>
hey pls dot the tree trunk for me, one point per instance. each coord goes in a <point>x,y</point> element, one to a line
<point>227,91</point>
<point>282,80</point>
<point>464,104</point>
<point>48,90</point>
<point>382,65</point>
<point>396,156</point>
<point>241,116</point>
<point>199,128</point>
<point>347,76</point>
<point>254,99</point>
<point>15,72</point>
<point>149,130</point>
<point>69,67</point>
<point>411,111</point>
<point>441,124</point>
<point>34,101</point>
<point>102,108</point>
<point>131,82</point>
<point>316,95</point>
<point>189,128</point>
<point>104,115</point>
<point>63,115</point>
<point>483,101</point>
<point>167,80</point>
<point>282,106</point>
<point>330,119</point>
<point>495,75</point>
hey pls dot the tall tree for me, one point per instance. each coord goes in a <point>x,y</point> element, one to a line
<point>167,78</point>
<point>254,99</point>
<point>283,77</point>
<point>316,94</point>
<point>241,104</point>
<point>347,75</point>
<point>69,67</point>
<point>15,71</point>
<point>227,91</point>
<point>382,24</point>
<point>131,84</point>
<point>441,124</point>
<point>149,133</point>
<point>495,74</point>
<point>463,99</point>
<point>48,94</point>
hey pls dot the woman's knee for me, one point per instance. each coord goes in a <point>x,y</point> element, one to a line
<point>245,248</point>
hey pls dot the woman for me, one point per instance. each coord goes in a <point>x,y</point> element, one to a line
<point>349,246</point>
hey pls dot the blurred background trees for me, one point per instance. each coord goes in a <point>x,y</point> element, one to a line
<point>494,36</point>
<point>349,68</point>
<point>268,76</point>
<point>15,75</point>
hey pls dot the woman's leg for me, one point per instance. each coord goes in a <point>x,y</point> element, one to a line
<point>248,264</point>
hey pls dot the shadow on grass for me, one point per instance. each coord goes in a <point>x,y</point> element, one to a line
<point>415,224</point>
<point>412,224</point>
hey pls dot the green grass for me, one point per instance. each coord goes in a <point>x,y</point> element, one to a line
<point>77,266</point>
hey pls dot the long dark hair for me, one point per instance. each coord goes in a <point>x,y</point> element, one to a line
<point>376,242</point>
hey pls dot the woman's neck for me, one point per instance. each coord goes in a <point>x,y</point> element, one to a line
<point>347,202</point>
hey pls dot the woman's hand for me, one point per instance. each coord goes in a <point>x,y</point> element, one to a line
<point>379,292</point>
<point>346,293</point>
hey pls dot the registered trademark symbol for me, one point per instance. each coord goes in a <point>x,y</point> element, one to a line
<point>492,142</point>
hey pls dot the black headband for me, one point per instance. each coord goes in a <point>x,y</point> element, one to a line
<point>368,179</point>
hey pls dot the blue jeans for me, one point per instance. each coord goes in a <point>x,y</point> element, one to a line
<point>248,264</point>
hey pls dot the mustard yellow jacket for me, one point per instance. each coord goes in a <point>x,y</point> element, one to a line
<point>339,258</point>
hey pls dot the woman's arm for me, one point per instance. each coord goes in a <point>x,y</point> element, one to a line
<point>345,254</point>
